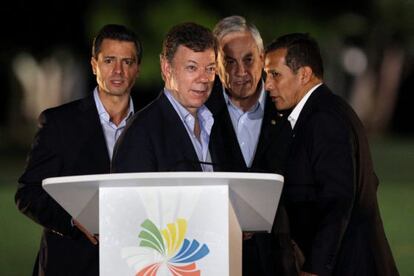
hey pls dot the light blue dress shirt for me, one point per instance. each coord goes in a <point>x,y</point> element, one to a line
<point>111,131</point>
<point>206,121</point>
<point>247,125</point>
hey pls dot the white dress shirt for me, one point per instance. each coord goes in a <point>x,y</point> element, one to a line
<point>247,125</point>
<point>206,120</point>
<point>111,131</point>
<point>294,115</point>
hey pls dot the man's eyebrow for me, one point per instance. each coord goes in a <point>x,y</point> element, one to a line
<point>271,70</point>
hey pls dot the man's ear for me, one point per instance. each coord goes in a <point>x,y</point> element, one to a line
<point>94,64</point>
<point>305,74</point>
<point>220,63</point>
<point>165,68</point>
<point>262,58</point>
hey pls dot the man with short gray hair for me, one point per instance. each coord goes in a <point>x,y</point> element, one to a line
<point>246,125</point>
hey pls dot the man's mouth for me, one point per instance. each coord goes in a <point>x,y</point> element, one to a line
<point>117,82</point>
<point>241,82</point>
<point>199,91</point>
<point>274,98</point>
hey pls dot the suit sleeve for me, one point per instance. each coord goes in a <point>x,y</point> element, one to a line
<point>134,151</point>
<point>332,159</point>
<point>44,161</point>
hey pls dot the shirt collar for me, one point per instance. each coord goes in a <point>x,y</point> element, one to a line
<point>294,115</point>
<point>102,111</point>
<point>204,115</point>
<point>182,111</point>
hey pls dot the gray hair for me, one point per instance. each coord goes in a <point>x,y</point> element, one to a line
<point>236,23</point>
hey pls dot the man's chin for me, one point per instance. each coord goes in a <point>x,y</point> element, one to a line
<point>118,92</point>
<point>281,107</point>
<point>243,94</point>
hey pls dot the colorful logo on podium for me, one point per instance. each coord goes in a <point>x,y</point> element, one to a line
<point>178,254</point>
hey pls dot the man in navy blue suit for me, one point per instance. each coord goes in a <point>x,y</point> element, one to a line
<point>77,138</point>
<point>330,185</point>
<point>173,132</point>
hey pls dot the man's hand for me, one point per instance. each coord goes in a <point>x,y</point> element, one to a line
<point>247,235</point>
<point>92,238</point>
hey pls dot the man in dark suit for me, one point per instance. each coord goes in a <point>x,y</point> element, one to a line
<point>246,120</point>
<point>76,139</point>
<point>330,185</point>
<point>173,132</point>
<point>246,125</point>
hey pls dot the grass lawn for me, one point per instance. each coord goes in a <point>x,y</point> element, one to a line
<point>20,237</point>
<point>397,209</point>
<point>393,158</point>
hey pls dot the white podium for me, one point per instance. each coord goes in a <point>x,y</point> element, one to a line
<point>170,223</point>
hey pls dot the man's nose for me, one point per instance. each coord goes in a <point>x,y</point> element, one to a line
<point>268,84</point>
<point>204,76</point>
<point>118,67</point>
<point>241,70</point>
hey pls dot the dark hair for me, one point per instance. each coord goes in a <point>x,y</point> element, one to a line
<point>190,35</point>
<point>116,32</point>
<point>302,50</point>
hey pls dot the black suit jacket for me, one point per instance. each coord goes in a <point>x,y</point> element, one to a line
<point>70,141</point>
<point>224,143</point>
<point>330,192</point>
<point>155,140</point>
<point>263,254</point>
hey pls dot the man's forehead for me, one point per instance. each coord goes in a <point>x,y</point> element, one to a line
<point>117,55</point>
<point>235,36</point>
<point>276,56</point>
<point>188,56</point>
<point>109,42</point>
<point>117,47</point>
<point>185,52</point>
<point>239,43</point>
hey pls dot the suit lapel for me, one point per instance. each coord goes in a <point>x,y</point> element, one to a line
<point>91,130</point>
<point>179,134</point>
<point>270,125</point>
<point>309,106</point>
<point>224,144</point>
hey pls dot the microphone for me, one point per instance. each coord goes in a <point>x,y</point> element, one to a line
<point>191,165</point>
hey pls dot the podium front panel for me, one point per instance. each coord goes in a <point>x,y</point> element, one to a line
<point>164,229</point>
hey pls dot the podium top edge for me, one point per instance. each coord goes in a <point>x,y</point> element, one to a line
<point>163,175</point>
